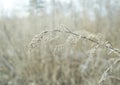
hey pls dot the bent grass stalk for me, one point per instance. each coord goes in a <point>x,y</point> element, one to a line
<point>93,39</point>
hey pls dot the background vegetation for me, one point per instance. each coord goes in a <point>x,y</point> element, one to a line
<point>29,57</point>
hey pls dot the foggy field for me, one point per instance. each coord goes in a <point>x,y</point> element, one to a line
<point>64,47</point>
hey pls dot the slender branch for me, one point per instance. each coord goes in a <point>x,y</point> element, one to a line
<point>102,43</point>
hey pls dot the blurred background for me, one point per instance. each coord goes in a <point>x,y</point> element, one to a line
<point>91,15</point>
<point>20,20</point>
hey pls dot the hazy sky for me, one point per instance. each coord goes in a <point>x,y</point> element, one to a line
<point>12,4</point>
<point>18,7</point>
<point>8,6</point>
<point>15,7</point>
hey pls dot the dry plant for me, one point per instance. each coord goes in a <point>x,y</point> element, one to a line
<point>63,57</point>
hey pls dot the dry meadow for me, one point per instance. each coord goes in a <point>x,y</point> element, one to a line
<point>38,50</point>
